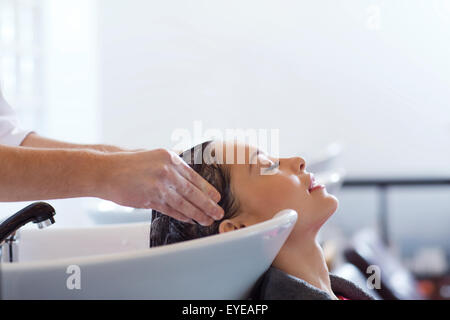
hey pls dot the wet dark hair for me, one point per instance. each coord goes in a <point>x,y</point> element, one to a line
<point>166,230</point>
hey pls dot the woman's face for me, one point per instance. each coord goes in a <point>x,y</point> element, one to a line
<point>264,185</point>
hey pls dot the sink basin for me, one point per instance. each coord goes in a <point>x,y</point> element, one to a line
<point>114,262</point>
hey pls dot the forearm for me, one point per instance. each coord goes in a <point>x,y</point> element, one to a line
<point>143,179</point>
<point>33,140</point>
<point>40,174</point>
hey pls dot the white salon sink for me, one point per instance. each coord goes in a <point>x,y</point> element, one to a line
<point>114,262</point>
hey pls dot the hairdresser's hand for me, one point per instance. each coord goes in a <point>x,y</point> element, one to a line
<point>160,180</point>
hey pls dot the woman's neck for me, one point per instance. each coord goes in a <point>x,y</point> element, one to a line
<point>304,259</point>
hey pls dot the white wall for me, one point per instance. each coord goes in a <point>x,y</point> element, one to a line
<point>70,71</point>
<point>48,66</point>
<point>374,75</point>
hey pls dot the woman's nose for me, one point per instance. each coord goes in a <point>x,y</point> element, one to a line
<point>297,164</point>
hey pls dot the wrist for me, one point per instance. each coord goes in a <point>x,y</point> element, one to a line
<point>99,174</point>
<point>108,168</point>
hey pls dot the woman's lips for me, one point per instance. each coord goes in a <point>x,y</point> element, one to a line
<point>317,186</point>
<point>313,185</point>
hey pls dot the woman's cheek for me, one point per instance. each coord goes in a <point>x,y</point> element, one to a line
<point>291,191</point>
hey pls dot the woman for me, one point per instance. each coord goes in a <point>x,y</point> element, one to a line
<point>253,189</point>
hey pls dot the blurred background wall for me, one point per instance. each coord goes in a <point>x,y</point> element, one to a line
<point>373,76</point>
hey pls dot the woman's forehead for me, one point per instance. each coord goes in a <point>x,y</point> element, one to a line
<point>227,152</point>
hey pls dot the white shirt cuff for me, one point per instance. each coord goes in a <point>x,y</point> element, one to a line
<point>15,137</point>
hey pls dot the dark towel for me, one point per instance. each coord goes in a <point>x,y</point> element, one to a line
<point>278,285</point>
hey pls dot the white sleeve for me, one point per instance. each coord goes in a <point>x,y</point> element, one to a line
<point>10,132</point>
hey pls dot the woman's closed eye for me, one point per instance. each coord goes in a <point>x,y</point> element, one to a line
<point>272,167</point>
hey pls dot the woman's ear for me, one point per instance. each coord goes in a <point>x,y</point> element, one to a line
<point>230,225</point>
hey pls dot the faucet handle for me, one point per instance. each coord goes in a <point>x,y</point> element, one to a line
<point>15,236</point>
<point>9,248</point>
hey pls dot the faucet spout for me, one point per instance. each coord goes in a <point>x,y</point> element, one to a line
<point>40,213</point>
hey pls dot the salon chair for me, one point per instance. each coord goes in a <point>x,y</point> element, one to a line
<point>350,272</point>
<point>366,249</point>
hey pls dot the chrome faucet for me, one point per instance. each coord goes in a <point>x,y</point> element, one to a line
<point>40,213</point>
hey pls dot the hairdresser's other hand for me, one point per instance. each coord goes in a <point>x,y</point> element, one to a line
<point>159,179</point>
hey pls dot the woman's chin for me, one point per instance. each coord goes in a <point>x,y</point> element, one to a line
<point>318,216</point>
<point>328,208</point>
<point>334,203</point>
